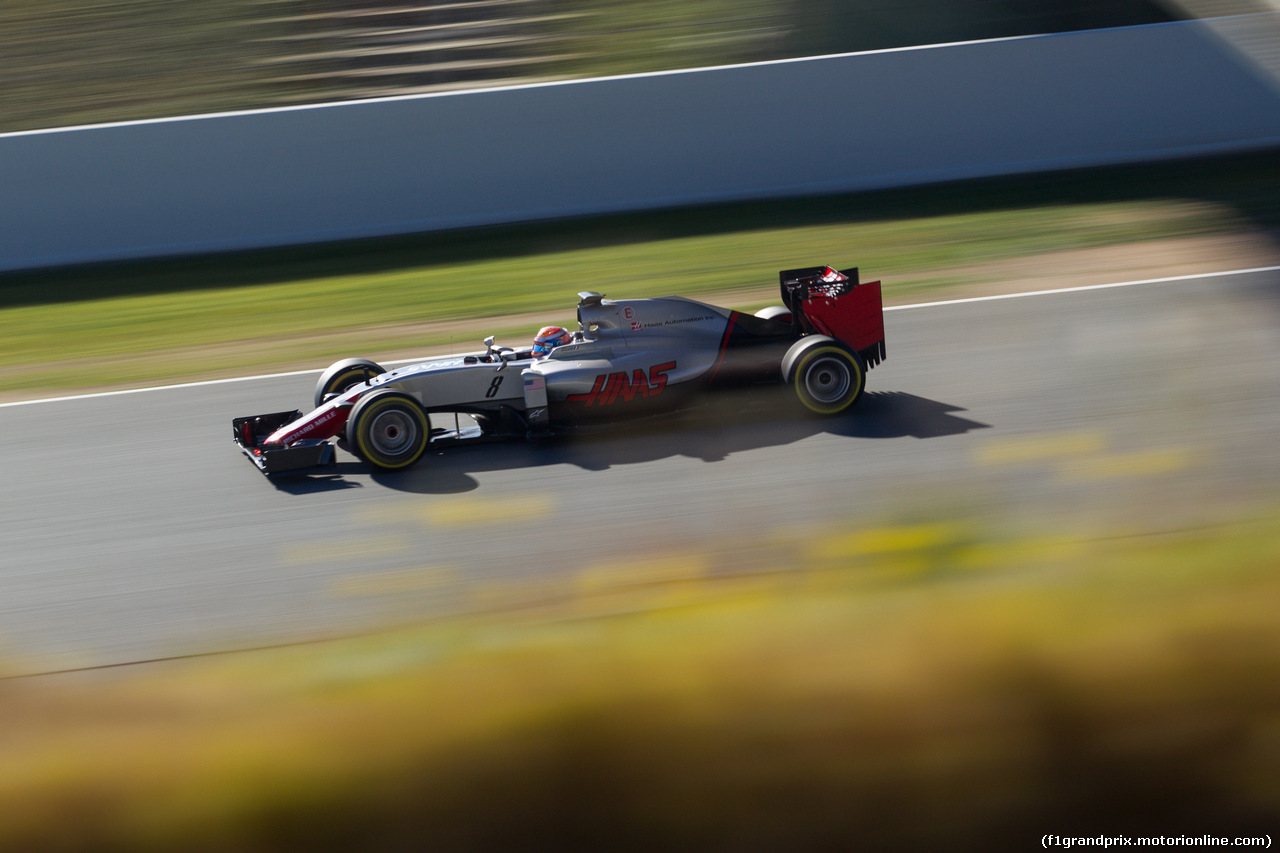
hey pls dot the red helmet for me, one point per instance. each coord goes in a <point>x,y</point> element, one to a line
<point>548,339</point>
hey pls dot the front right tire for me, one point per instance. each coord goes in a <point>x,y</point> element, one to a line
<point>388,430</point>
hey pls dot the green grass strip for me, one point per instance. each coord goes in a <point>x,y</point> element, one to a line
<point>142,323</point>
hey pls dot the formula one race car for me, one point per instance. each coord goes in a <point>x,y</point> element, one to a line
<point>629,358</point>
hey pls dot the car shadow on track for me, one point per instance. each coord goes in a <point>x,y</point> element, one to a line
<point>894,414</point>
<point>344,474</point>
<point>711,434</point>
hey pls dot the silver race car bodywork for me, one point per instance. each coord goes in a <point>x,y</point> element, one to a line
<point>629,358</point>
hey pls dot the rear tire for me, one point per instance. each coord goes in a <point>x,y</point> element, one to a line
<point>775,312</point>
<point>827,376</point>
<point>388,430</point>
<point>344,374</point>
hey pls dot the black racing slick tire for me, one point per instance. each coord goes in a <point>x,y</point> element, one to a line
<point>827,376</point>
<point>342,375</point>
<point>388,430</point>
<point>775,312</point>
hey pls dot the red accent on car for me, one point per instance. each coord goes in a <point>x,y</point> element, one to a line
<point>325,422</point>
<point>589,397</point>
<point>609,388</point>
<point>658,377</point>
<point>724,344</point>
<point>856,318</point>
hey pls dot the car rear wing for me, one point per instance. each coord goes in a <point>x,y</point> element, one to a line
<point>827,301</point>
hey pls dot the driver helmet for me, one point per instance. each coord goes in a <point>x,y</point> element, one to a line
<point>548,339</point>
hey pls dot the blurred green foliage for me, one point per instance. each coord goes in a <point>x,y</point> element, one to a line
<point>71,62</point>
<point>879,684</point>
<point>644,35</point>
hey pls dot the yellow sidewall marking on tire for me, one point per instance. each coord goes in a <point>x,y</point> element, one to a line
<point>371,412</point>
<point>342,378</point>
<point>855,374</point>
<point>345,380</point>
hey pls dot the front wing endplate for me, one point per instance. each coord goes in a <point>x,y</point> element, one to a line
<point>250,432</point>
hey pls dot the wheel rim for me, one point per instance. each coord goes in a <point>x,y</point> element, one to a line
<point>393,432</point>
<point>828,380</point>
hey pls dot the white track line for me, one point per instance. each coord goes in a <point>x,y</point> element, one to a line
<point>890,308</point>
<point>1083,287</point>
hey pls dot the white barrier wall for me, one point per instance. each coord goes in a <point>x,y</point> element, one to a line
<point>829,124</point>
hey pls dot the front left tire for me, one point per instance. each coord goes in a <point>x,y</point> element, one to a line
<point>343,375</point>
<point>388,430</point>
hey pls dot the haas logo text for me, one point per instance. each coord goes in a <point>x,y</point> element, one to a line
<point>609,388</point>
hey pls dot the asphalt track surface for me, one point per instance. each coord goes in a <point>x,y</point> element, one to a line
<point>134,530</point>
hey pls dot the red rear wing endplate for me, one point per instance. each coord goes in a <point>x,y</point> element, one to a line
<point>855,317</point>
